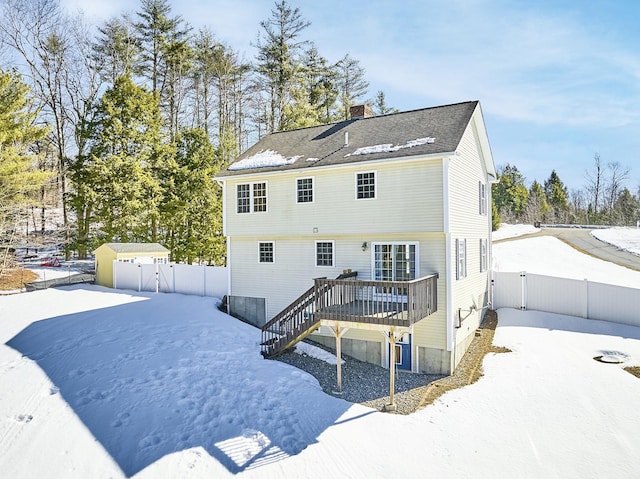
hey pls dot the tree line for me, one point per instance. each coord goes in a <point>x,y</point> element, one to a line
<point>124,127</point>
<point>604,199</point>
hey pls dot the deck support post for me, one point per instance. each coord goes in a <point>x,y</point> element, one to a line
<point>339,332</point>
<point>392,372</point>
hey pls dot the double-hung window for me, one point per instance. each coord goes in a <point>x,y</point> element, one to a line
<point>266,251</point>
<point>304,191</point>
<point>251,197</point>
<point>461,258</point>
<point>366,185</point>
<point>483,255</point>
<point>482,198</point>
<point>325,253</point>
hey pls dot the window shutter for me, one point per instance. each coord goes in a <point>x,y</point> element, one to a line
<point>457,259</point>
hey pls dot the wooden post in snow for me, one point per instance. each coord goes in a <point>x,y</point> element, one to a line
<point>339,358</point>
<point>392,372</point>
<point>338,332</point>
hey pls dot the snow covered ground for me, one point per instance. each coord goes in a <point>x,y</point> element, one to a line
<point>624,238</point>
<point>102,383</point>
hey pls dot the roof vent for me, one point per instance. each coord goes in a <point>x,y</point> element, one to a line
<point>358,112</point>
<point>346,139</point>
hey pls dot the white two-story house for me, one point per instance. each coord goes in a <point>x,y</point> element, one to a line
<point>373,234</point>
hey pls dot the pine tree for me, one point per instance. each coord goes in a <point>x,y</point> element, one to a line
<point>557,196</point>
<point>19,177</point>
<point>116,186</point>
<point>117,49</point>
<point>193,214</point>
<point>277,61</point>
<point>351,82</point>
<point>380,106</point>
<point>166,56</point>
<point>510,194</point>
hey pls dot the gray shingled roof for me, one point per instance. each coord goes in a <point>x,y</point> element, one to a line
<point>445,124</point>
<point>137,247</point>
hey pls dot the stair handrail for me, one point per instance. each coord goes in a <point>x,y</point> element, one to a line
<point>291,323</point>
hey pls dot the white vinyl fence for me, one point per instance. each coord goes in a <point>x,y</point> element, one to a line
<point>581,298</point>
<point>172,278</point>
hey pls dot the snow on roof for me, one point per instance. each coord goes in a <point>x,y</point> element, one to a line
<point>263,159</point>
<point>389,147</point>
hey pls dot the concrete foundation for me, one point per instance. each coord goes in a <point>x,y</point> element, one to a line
<point>251,310</point>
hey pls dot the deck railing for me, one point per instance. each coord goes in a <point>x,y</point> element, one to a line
<point>389,303</point>
<point>386,303</point>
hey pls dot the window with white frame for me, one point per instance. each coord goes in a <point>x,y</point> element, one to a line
<point>395,261</point>
<point>251,197</point>
<point>366,185</point>
<point>482,197</point>
<point>461,258</point>
<point>483,255</point>
<point>325,253</point>
<point>266,250</point>
<point>304,190</point>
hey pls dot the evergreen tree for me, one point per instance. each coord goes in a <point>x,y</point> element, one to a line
<point>117,48</point>
<point>277,62</point>
<point>165,57</point>
<point>116,182</point>
<point>193,214</point>
<point>380,106</point>
<point>219,81</point>
<point>510,194</point>
<point>19,176</point>
<point>351,82</point>
<point>557,196</point>
<point>626,210</point>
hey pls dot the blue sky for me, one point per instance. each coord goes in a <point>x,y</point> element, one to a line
<point>558,80</point>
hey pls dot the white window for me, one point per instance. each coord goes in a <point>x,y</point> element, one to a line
<point>366,185</point>
<point>482,198</point>
<point>461,258</point>
<point>483,255</point>
<point>394,261</point>
<point>304,190</point>
<point>325,253</point>
<point>251,197</point>
<point>266,252</point>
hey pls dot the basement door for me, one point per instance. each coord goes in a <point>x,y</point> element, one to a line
<point>403,352</point>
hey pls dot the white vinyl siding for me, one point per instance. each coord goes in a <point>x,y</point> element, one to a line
<point>408,200</point>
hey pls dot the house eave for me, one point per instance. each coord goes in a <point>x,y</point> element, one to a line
<point>402,159</point>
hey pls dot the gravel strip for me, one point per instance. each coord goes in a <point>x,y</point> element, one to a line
<point>362,382</point>
<point>368,384</point>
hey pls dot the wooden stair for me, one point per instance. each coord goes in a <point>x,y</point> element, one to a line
<point>295,322</point>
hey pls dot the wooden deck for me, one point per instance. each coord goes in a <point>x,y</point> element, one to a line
<point>372,304</point>
<point>388,303</point>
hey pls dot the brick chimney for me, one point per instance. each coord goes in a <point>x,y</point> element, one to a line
<point>357,112</point>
